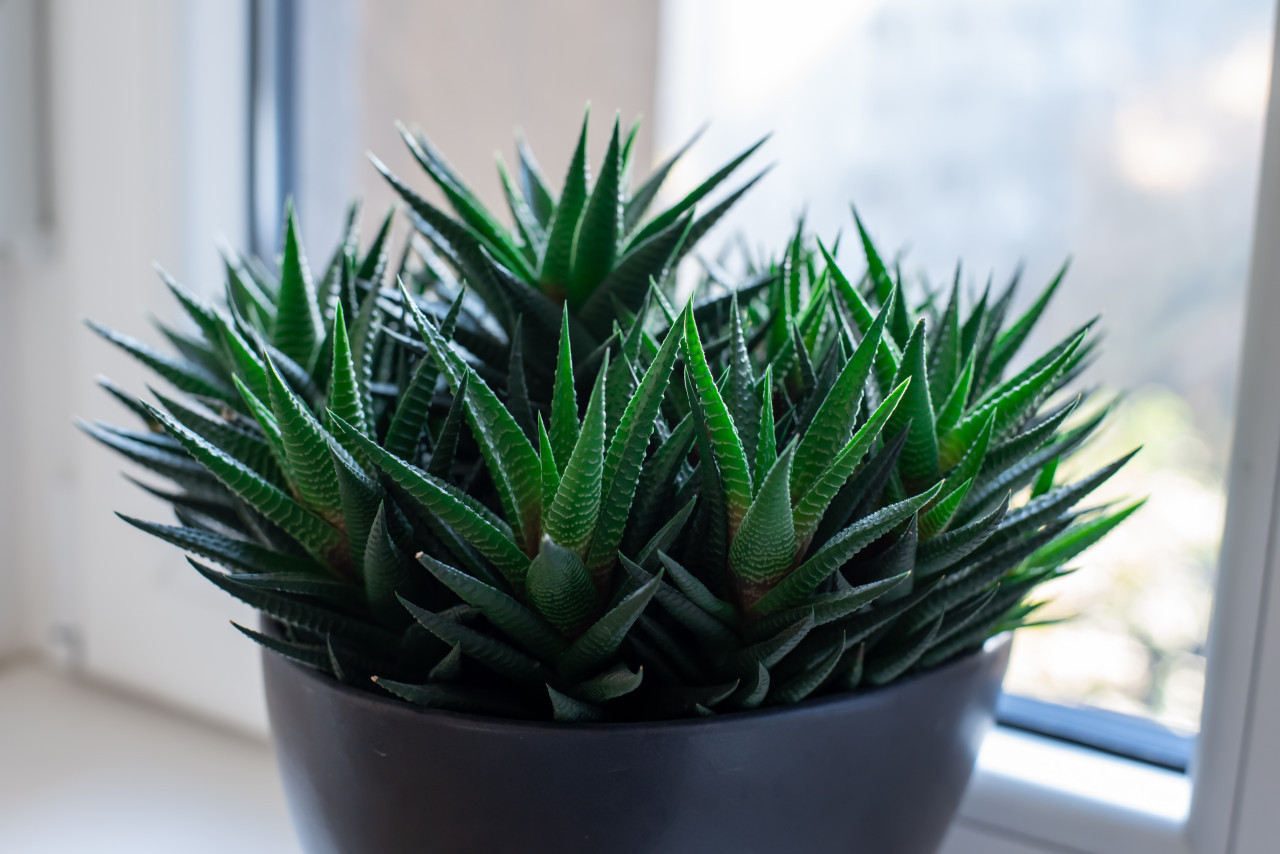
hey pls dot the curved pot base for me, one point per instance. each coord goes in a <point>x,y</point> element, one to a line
<point>880,772</point>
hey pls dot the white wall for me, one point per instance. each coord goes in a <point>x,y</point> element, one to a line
<point>470,73</point>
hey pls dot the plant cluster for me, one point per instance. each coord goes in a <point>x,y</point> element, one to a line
<point>511,477</point>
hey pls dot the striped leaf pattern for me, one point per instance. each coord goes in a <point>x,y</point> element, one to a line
<point>817,475</point>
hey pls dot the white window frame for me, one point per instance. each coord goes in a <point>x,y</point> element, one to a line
<point>147,154</point>
<point>1032,795</point>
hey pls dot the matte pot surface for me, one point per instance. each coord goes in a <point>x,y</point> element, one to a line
<point>880,772</point>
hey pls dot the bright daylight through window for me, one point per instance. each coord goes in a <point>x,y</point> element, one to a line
<point>1125,135</point>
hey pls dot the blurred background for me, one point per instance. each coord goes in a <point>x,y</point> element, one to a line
<point>1124,134</point>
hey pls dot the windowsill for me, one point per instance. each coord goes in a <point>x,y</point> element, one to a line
<point>83,768</point>
<point>1038,790</point>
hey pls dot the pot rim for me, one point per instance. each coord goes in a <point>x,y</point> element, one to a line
<point>992,647</point>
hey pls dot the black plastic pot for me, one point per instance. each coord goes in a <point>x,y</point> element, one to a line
<point>880,772</point>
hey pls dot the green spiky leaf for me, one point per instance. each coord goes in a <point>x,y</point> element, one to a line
<point>560,587</point>
<point>571,518</point>
<point>762,549</point>
<point>806,577</point>
<point>625,458</point>
<point>598,643</point>
<point>509,616</point>
<point>723,436</point>
<point>490,539</point>
<point>501,658</point>
<point>919,460</point>
<point>298,327</point>
<point>557,265</point>
<point>596,243</point>
<point>318,538</point>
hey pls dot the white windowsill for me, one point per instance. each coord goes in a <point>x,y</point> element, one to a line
<point>85,769</point>
<point>1047,795</point>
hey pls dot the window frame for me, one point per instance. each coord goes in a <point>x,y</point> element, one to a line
<point>157,93</point>
<point>1033,794</point>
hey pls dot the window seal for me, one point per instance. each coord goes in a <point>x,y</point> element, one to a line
<point>1113,733</point>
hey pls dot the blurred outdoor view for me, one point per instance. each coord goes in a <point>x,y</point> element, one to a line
<point>1125,134</point>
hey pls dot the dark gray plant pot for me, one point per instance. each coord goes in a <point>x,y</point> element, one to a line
<point>880,772</point>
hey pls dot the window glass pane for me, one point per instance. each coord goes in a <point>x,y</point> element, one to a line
<point>1125,135</point>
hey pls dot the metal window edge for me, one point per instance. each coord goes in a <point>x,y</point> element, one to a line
<point>1123,735</point>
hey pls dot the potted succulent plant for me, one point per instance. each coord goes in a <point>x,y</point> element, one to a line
<point>550,562</point>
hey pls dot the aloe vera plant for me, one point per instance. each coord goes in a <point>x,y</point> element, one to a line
<point>515,479</point>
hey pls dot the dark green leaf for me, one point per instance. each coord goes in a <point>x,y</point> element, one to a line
<point>506,661</point>
<point>596,244</point>
<point>533,185</point>
<point>806,577</point>
<point>509,616</point>
<point>597,645</point>
<point>625,458</point>
<point>298,327</point>
<point>557,265</point>
<point>560,587</point>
